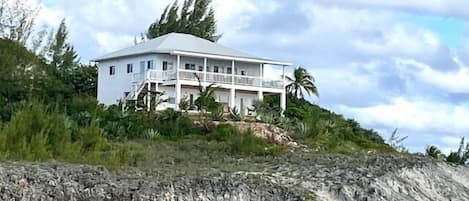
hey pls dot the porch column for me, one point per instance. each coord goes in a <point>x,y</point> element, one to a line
<point>283,97</point>
<point>178,82</point>
<point>232,97</point>
<point>205,70</point>
<point>261,75</point>
<point>233,72</point>
<point>148,96</point>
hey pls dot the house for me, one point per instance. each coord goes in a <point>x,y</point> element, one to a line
<point>169,64</point>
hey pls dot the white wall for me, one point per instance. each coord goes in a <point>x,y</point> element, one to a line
<point>111,88</point>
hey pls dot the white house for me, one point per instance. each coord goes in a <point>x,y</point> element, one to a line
<point>169,64</point>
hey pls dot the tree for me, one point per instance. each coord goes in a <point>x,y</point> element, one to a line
<point>84,80</point>
<point>63,56</point>
<point>301,81</point>
<point>433,151</point>
<point>460,157</point>
<point>194,17</point>
<point>17,20</point>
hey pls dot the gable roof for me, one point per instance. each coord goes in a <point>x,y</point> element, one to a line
<point>185,44</point>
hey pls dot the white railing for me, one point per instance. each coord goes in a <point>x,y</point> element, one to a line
<point>220,78</point>
<point>161,75</point>
<point>189,75</point>
<point>248,80</point>
<point>274,84</point>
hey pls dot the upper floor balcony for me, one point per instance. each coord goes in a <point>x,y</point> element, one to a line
<point>208,77</point>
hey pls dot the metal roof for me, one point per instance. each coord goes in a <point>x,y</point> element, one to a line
<point>173,43</point>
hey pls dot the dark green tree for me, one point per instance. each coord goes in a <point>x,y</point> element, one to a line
<point>84,80</point>
<point>63,56</point>
<point>301,81</point>
<point>433,151</point>
<point>195,17</point>
<point>460,157</point>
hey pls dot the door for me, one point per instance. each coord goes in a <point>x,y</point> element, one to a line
<point>142,67</point>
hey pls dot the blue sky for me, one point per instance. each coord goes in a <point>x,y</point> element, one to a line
<point>388,64</point>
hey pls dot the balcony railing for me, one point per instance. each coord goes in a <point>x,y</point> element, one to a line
<point>219,78</point>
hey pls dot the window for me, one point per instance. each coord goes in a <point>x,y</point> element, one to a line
<point>215,69</point>
<point>150,64</point>
<point>112,70</point>
<point>201,68</point>
<point>229,70</point>
<point>243,72</point>
<point>165,65</point>
<point>189,67</point>
<point>130,68</point>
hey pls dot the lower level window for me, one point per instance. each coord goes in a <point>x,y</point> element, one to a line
<point>130,68</point>
<point>112,70</point>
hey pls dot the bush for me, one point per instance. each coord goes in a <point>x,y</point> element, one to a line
<point>38,133</point>
<point>246,143</point>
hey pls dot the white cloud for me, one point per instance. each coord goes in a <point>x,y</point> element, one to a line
<point>456,81</point>
<point>107,41</point>
<point>441,7</point>
<point>417,115</point>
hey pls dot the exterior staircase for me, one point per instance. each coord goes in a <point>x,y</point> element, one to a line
<point>141,94</point>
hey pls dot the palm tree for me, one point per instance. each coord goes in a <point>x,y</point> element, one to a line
<point>301,81</point>
<point>433,152</point>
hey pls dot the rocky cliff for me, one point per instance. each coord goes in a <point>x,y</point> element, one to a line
<point>316,177</point>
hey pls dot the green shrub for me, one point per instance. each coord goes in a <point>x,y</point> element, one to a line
<point>246,143</point>
<point>235,115</point>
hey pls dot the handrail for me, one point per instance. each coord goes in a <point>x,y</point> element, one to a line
<point>223,78</point>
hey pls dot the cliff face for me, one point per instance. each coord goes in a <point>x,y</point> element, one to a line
<point>320,177</point>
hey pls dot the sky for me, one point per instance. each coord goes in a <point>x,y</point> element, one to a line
<point>387,64</point>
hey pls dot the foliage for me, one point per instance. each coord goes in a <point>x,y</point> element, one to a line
<point>217,114</point>
<point>433,151</point>
<point>265,111</point>
<point>63,56</point>
<point>326,131</point>
<point>235,115</point>
<point>194,17</point>
<point>17,19</point>
<point>184,104</point>
<point>243,143</point>
<point>84,79</point>
<point>301,81</point>
<point>460,157</point>
<point>396,142</point>
<point>206,100</point>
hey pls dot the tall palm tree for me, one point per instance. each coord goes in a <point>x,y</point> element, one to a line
<point>301,81</point>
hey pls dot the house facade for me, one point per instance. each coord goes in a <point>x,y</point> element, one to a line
<point>169,65</point>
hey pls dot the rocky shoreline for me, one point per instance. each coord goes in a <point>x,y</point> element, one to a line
<point>316,177</point>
